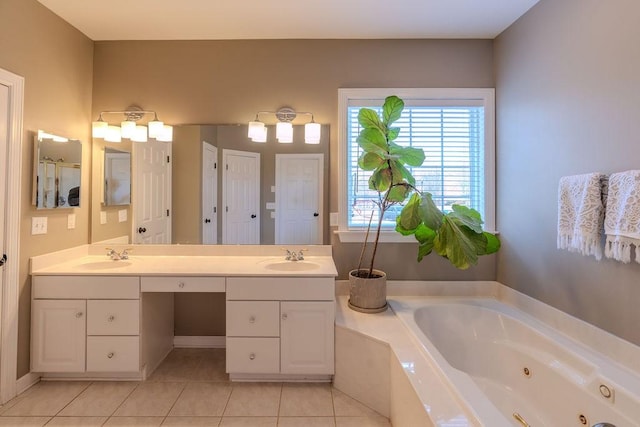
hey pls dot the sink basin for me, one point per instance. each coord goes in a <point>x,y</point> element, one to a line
<point>104,265</point>
<point>292,266</point>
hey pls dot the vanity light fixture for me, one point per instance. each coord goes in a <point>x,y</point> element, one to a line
<point>129,127</point>
<point>284,127</point>
<point>55,138</point>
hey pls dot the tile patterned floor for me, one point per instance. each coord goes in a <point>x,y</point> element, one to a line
<point>190,388</point>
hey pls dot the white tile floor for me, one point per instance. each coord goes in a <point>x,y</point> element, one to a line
<point>190,388</point>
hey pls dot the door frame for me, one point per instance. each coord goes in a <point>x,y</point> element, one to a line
<point>278,199</point>
<point>209,147</point>
<point>11,287</point>
<point>225,153</point>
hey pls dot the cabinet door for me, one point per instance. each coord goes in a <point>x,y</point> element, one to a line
<point>58,336</point>
<point>306,337</point>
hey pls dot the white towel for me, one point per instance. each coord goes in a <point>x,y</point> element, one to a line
<point>622,216</point>
<point>580,214</point>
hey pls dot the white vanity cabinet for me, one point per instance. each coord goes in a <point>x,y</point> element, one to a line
<point>280,326</point>
<point>96,316</point>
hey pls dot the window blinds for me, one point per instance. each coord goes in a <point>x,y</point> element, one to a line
<point>452,137</point>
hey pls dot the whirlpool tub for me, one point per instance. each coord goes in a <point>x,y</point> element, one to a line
<point>513,369</point>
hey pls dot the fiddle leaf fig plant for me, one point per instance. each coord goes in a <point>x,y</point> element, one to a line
<point>456,235</point>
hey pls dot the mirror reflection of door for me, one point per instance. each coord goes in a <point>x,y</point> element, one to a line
<point>241,197</point>
<point>209,194</point>
<point>299,199</point>
<point>117,177</point>
<point>152,192</point>
<point>68,184</point>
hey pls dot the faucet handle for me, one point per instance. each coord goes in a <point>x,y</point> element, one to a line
<point>125,253</point>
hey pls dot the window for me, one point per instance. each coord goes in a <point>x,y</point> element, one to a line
<point>454,127</point>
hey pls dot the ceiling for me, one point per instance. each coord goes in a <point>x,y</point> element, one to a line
<point>288,19</point>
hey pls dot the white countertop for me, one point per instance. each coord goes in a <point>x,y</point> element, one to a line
<point>181,260</point>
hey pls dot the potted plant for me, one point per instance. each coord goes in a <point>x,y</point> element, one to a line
<point>456,235</point>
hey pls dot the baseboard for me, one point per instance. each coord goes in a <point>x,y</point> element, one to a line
<point>26,381</point>
<point>199,341</point>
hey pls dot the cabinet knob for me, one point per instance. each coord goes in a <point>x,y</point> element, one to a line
<point>79,314</point>
<point>181,284</point>
<point>284,316</point>
<point>111,318</point>
<point>110,355</point>
<point>252,356</point>
<point>252,319</point>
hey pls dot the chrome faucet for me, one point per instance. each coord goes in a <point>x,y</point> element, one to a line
<point>294,256</point>
<point>115,255</point>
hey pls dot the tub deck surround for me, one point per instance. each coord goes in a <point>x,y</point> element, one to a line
<point>187,260</point>
<point>452,398</point>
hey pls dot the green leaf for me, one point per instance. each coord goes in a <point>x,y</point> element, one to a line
<point>460,244</point>
<point>429,212</point>
<point>401,173</point>
<point>425,237</point>
<point>369,119</point>
<point>412,156</point>
<point>409,218</point>
<point>493,243</point>
<point>372,140</point>
<point>380,179</point>
<point>392,109</point>
<point>467,216</point>
<point>369,161</point>
<point>398,193</point>
<point>392,133</point>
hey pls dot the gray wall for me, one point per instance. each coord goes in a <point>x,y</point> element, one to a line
<point>568,85</point>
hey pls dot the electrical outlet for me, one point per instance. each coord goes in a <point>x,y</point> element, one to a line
<point>333,219</point>
<point>103,217</point>
<point>122,215</point>
<point>39,225</point>
<point>71,221</point>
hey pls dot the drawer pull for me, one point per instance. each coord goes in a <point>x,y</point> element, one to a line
<point>252,356</point>
<point>111,318</point>
<point>252,319</point>
<point>110,355</point>
<point>181,284</point>
<point>284,316</point>
<point>79,314</point>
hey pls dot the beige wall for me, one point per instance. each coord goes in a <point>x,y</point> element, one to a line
<point>229,81</point>
<point>568,83</point>
<point>57,63</point>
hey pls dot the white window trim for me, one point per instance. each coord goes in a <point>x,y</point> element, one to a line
<point>486,95</point>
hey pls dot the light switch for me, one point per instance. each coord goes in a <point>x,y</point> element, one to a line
<point>333,219</point>
<point>273,188</point>
<point>71,221</point>
<point>39,225</point>
<point>103,217</point>
<point>271,206</point>
<point>273,214</point>
<point>122,215</point>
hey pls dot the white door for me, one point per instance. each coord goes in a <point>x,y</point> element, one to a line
<point>152,192</point>
<point>299,215</point>
<point>306,337</point>
<point>241,197</point>
<point>4,117</point>
<point>209,194</point>
<point>58,335</point>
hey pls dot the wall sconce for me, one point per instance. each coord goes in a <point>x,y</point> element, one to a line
<point>284,127</point>
<point>130,129</point>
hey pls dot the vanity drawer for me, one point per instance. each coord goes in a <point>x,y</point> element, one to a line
<point>113,317</point>
<point>281,288</point>
<point>253,355</point>
<point>86,287</point>
<point>253,318</point>
<point>182,284</point>
<point>113,354</point>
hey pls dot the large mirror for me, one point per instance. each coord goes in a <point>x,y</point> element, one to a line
<point>204,195</point>
<point>56,171</point>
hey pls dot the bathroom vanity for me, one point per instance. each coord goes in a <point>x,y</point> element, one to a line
<point>93,317</point>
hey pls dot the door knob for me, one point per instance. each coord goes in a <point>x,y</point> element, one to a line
<point>3,259</point>
<point>253,215</point>
<point>207,221</point>
<point>316,214</point>
<point>142,230</point>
